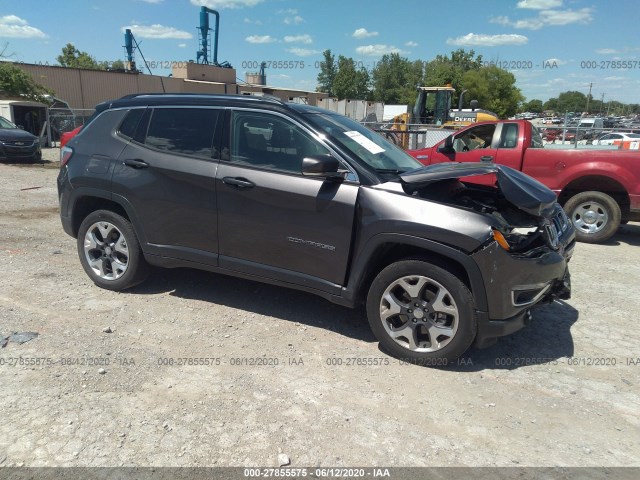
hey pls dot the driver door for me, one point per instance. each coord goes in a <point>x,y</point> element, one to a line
<point>273,221</point>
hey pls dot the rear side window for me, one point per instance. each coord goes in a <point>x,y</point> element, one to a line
<point>536,138</point>
<point>130,123</point>
<point>509,137</point>
<point>185,131</point>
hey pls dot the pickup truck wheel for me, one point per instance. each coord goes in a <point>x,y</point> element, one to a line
<point>420,312</point>
<point>110,252</point>
<point>595,215</point>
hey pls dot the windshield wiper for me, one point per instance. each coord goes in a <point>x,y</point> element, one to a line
<point>389,170</point>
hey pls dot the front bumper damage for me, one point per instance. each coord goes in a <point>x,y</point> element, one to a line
<point>515,285</point>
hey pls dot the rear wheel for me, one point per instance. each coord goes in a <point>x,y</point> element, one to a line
<point>110,252</point>
<point>595,215</point>
<point>421,313</point>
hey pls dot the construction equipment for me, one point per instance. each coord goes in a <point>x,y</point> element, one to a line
<point>433,108</point>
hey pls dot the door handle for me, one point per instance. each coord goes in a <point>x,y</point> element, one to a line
<point>238,182</point>
<point>135,163</point>
<point>486,158</point>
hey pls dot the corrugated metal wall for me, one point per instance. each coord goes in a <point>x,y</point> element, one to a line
<point>84,89</point>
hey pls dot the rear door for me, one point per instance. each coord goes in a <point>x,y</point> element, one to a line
<point>273,221</point>
<point>166,174</point>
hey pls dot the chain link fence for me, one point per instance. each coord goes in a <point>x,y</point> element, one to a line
<point>64,120</point>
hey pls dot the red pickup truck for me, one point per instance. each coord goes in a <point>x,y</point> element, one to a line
<point>599,189</point>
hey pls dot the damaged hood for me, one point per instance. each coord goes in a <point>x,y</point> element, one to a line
<point>521,190</point>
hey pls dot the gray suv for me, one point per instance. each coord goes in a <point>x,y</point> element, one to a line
<point>304,198</point>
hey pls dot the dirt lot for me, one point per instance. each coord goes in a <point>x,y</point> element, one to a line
<point>564,392</point>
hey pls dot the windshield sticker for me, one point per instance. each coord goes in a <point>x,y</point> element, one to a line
<point>364,141</point>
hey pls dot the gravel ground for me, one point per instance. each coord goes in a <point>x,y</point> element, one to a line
<point>563,392</point>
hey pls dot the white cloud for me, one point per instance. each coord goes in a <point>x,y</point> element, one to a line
<point>12,26</point>
<point>298,39</point>
<point>363,33</point>
<point>260,39</point>
<point>157,31</point>
<point>288,11</point>
<point>614,79</point>
<point>378,50</point>
<point>539,4</point>
<point>607,51</point>
<point>547,18</point>
<point>555,61</point>
<point>480,39</point>
<point>152,1</point>
<point>411,43</point>
<point>502,20</point>
<point>221,4</point>
<point>303,52</point>
<point>252,22</point>
<point>182,45</point>
<point>295,20</point>
<point>566,17</point>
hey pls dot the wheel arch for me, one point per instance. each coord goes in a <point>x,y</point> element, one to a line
<point>597,183</point>
<point>85,202</point>
<point>385,249</point>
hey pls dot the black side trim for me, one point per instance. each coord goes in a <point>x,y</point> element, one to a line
<point>359,265</point>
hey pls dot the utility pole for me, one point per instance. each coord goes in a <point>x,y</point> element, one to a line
<point>601,104</point>
<point>589,97</point>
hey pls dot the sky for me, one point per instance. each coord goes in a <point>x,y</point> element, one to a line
<point>550,46</point>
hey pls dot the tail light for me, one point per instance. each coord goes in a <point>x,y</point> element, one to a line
<point>65,155</point>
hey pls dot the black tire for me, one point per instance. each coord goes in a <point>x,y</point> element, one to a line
<point>457,295</point>
<point>603,210</point>
<point>124,274</point>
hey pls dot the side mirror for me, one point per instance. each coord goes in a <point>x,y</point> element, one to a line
<point>447,146</point>
<point>322,166</point>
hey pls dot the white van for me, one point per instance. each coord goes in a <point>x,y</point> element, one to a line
<point>588,123</point>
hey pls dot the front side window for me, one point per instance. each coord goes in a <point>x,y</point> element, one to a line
<point>271,142</point>
<point>474,138</point>
<point>185,131</point>
<point>365,144</point>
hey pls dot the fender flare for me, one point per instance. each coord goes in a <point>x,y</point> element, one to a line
<point>361,261</point>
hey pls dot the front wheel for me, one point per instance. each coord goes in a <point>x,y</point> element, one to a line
<point>595,215</point>
<point>110,252</point>
<point>420,312</point>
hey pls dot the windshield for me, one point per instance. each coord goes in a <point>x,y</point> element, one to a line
<point>367,145</point>
<point>4,123</point>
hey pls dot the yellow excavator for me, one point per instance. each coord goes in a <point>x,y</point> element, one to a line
<point>433,108</point>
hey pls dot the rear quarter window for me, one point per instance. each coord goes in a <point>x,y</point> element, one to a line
<point>130,123</point>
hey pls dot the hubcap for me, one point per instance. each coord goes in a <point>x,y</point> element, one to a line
<point>105,248</point>
<point>589,217</point>
<point>419,313</point>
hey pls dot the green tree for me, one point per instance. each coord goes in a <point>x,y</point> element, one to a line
<point>533,106</point>
<point>327,74</point>
<point>15,82</point>
<point>117,65</point>
<point>570,101</point>
<point>395,79</point>
<point>450,69</point>
<point>494,88</point>
<point>72,57</point>
<point>349,82</point>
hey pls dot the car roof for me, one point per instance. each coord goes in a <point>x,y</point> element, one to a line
<point>157,99</point>
<point>247,101</point>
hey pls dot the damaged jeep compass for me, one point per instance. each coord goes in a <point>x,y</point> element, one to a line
<point>304,198</point>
